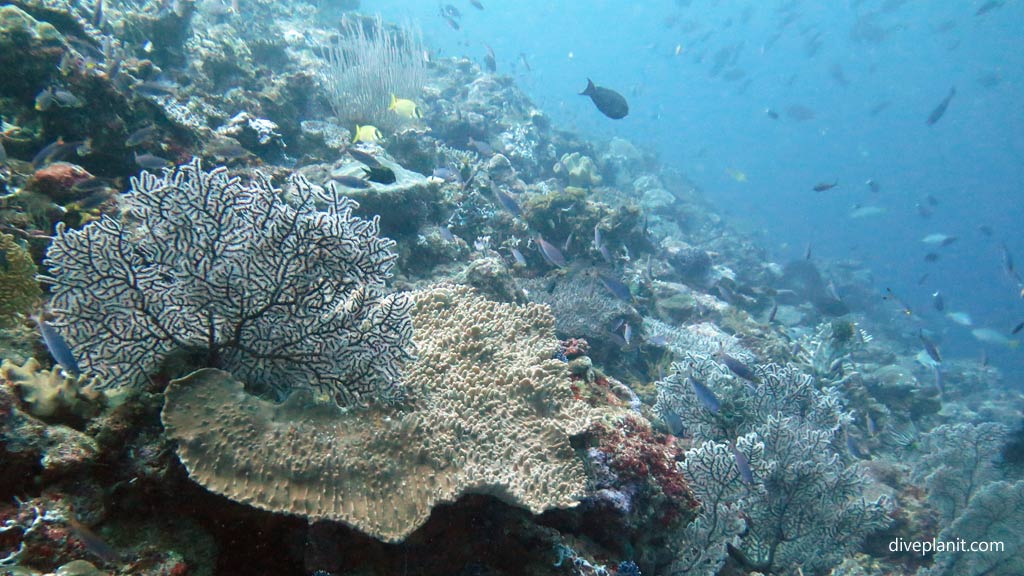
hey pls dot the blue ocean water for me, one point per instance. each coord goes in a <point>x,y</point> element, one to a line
<point>705,80</point>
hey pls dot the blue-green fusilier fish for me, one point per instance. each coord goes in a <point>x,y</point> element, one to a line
<point>742,464</point>
<point>58,348</point>
<point>608,101</point>
<point>704,394</point>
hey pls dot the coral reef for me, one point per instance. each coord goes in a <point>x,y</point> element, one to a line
<point>285,296</point>
<point>367,64</point>
<point>441,465</point>
<point>991,520</point>
<point>769,453</point>
<point>959,460</point>
<point>17,281</point>
<point>582,307</point>
<point>403,206</point>
<point>490,413</point>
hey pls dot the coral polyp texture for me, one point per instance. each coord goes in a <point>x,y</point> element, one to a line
<point>233,276</point>
<point>17,281</point>
<point>488,413</point>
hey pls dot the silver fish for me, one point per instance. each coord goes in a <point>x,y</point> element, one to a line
<point>550,253</point>
<point>930,348</point>
<point>518,256</point>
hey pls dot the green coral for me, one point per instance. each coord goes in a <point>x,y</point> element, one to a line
<point>16,25</point>
<point>579,169</point>
<point>17,281</point>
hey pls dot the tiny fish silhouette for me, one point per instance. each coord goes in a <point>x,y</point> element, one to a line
<point>940,110</point>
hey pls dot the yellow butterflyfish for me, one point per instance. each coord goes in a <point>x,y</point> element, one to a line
<point>367,134</point>
<point>405,107</point>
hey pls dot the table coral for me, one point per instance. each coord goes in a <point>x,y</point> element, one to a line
<point>491,413</point>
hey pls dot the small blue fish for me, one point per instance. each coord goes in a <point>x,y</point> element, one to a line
<point>616,287</point>
<point>658,340</point>
<point>151,161</point>
<point>508,202</point>
<point>705,395</point>
<point>58,348</point>
<point>550,253</point>
<point>351,181</point>
<point>56,151</point>
<point>742,464</point>
<point>445,173</point>
<point>854,447</point>
<point>446,234</point>
<point>738,368</point>
<point>141,136</point>
<point>627,334</point>
<point>674,422</point>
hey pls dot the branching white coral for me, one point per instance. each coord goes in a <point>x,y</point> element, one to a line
<point>232,276</point>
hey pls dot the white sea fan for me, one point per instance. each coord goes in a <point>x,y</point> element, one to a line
<point>230,275</point>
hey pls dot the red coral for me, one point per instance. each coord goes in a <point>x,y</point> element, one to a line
<point>574,347</point>
<point>57,179</point>
<point>636,452</point>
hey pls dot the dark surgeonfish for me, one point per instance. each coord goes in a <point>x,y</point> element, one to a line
<point>608,101</point>
<point>364,157</point>
<point>940,110</point>
<point>803,278</point>
<point>737,367</point>
<point>380,175</point>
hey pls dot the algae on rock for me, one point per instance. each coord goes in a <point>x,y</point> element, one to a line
<point>18,284</point>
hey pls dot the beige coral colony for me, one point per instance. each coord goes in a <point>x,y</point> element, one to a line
<point>491,414</point>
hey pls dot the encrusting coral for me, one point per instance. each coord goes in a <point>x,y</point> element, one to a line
<point>17,281</point>
<point>489,413</point>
